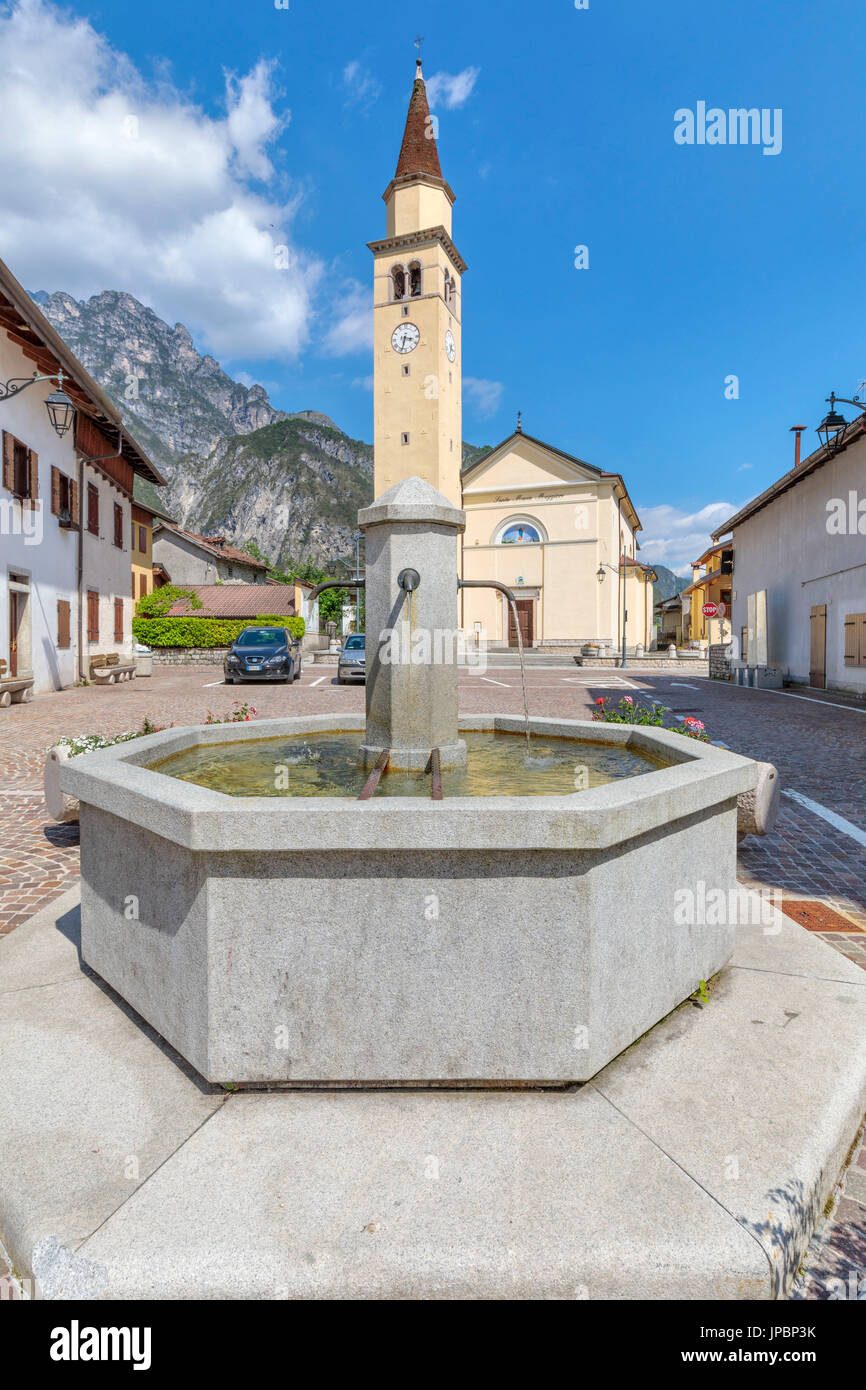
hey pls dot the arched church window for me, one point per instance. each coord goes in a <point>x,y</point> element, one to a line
<point>450,290</point>
<point>414,279</point>
<point>398,282</point>
<point>520,533</point>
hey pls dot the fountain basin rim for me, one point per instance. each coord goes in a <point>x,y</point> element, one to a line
<point>700,777</point>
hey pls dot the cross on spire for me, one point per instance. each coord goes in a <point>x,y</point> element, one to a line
<point>418,43</point>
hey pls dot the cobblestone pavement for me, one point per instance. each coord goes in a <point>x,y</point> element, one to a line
<point>816,740</point>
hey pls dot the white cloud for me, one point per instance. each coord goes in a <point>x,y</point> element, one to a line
<point>674,538</point>
<point>362,88</point>
<point>363,383</point>
<point>123,185</point>
<point>252,121</point>
<point>743,467</point>
<point>351,328</point>
<point>451,90</point>
<point>485,396</point>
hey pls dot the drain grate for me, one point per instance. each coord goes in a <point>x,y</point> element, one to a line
<point>817,916</point>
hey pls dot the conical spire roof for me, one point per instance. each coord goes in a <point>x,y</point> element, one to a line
<point>418,153</point>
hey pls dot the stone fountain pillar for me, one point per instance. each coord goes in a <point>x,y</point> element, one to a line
<point>412,634</point>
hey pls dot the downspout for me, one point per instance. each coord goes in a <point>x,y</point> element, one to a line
<point>80,577</point>
<point>103,458</point>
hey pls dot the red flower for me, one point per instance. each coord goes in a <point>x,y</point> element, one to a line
<point>600,700</point>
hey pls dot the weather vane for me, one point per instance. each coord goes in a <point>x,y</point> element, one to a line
<point>418,43</point>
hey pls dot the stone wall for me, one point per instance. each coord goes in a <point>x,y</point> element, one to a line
<point>720,662</point>
<point>651,661</point>
<point>189,656</point>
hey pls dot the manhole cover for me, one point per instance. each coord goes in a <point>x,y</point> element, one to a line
<point>816,916</point>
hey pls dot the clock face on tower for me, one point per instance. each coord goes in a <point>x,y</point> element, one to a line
<point>449,346</point>
<point>405,337</point>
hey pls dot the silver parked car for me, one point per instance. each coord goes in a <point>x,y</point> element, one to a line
<point>352,662</point>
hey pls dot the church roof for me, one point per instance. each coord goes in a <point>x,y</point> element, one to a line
<point>418,153</point>
<point>616,478</point>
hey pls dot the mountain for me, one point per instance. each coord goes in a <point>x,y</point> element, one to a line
<point>236,466</point>
<point>667,583</point>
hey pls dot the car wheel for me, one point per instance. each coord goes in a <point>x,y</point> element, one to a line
<point>341,680</point>
<point>230,680</point>
<point>299,670</point>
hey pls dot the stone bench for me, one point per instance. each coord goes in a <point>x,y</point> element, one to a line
<point>15,690</point>
<point>109,669</point>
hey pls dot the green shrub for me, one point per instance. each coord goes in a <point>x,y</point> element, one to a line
<point>157,603</point>
<point>203,632</point>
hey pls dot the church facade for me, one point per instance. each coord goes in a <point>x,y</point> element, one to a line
<point>559,531</point>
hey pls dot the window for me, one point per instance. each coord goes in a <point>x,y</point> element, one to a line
<point>118,525</point>
<point>92,615</point>
<point>142,540</point>
<point>404,438</point>
<point>63,623</point>
<point>132,536</point>
<point>450,290</point>
<point>398,282</point>
<point>64,498</point>
<point>415,279</point>
<point>406,369</point>
<point>20,469</point>
<point>118,620</point>
<point>855,639</point>
<point>93,509</point>
<point>520,533</point>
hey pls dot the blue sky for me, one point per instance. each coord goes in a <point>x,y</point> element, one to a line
<point>167,150</point>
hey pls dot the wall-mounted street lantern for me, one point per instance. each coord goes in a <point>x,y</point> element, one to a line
<point>61,409</point>
<point>831,430</point>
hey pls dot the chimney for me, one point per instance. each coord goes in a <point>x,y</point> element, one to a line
<point>797,430</point>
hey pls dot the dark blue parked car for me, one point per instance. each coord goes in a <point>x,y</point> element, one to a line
<point>263,654</point>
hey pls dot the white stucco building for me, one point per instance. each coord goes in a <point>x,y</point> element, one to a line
<point>799,581</point>
<point>65,507</point>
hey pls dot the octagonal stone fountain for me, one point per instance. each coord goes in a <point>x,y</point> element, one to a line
<point>413,938</point>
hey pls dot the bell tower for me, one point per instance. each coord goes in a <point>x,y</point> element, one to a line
<point>417,310</point>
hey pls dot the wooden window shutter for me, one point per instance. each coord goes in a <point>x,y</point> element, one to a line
<point>93,509</point>
<point>73,501</point>
<point>118,525</point>
<point>92,616</point>
<point>8,461</point>
<point>852,639</point>
<point>55,491</point>
<point>33,476</point>
<point>63,625</point>
<point>863,639</point>
<point>118,620</point>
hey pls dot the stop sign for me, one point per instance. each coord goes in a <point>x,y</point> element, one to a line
<point>710,610</point>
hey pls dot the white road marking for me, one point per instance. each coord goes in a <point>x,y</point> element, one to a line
<point>212,683</point>
<point>491,681</point>
<point>609,682</point>
<point>810,698</point>
<point>839,822</point>
<point>318,682</point>
<point>684,686</point>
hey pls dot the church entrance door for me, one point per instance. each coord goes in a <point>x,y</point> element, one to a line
<point>524,615</point>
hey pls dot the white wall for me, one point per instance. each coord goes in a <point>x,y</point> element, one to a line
<point>45,553</point>
<point>787,549</point>
<point>107,569</point>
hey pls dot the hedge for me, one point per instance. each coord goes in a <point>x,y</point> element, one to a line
<point>204,632</point>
